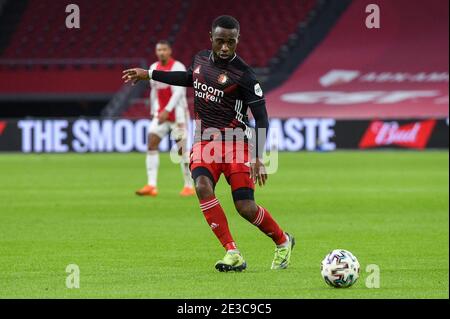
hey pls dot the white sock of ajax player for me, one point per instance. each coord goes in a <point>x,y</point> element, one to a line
<point>170,115</point>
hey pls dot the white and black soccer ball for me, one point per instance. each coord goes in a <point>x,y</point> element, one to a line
<point>340,268</point>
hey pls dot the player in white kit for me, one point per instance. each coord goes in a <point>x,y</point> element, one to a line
<point>170,114</point>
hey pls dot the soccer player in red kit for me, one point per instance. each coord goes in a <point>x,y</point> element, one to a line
<point>225,87</point>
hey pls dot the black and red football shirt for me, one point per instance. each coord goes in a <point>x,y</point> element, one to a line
<point>224,90</point>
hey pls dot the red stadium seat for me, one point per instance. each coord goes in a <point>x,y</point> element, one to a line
<point>130,29</point>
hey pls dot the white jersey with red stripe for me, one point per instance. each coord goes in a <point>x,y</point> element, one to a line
<point>169,97</point>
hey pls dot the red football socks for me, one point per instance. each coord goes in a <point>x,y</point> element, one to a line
<point>268,226</point>
<point>217,220</point>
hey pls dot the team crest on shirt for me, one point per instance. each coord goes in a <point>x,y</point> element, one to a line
<point>222,79</point>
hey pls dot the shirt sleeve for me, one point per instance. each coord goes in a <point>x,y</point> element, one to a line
<point>179,78</point>
<point>253,96</point>
<point>251,88</point>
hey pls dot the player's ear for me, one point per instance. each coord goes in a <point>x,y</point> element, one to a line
<point>210,36</point>
<point>238,36</point>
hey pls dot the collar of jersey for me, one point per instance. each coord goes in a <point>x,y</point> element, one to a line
<point>211,57</point>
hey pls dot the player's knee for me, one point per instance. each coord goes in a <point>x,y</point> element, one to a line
<point>153,142</point>
<point>204,187</point>
<point>247,209</point>
<point>152,148</point>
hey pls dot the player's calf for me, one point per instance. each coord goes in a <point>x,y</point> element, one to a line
<point>261,218</point>
<point>247,209</point>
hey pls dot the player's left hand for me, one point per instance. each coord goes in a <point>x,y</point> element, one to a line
<point>135,75</point>
<point>163,117</point>
<point>258,172</point>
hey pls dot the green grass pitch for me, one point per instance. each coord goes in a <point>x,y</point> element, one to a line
<point>388,208</point>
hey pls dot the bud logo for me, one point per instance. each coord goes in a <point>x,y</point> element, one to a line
<point>338,77</point>
<point>2,127</point>
<point>413,135</point>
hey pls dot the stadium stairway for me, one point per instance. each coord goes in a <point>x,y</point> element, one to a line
<point>131,95</point>
<point>309,33</point>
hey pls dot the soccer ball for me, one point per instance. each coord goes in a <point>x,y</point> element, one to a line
<point>340,269</point>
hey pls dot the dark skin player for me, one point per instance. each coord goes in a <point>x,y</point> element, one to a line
<point>224,43</point>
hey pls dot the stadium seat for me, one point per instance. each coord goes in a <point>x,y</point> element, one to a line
<point>122,31</point>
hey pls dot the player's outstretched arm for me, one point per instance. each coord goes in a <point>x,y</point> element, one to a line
<point>178,78</point>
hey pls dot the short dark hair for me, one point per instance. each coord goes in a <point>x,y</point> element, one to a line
<point>165,42</point>
<point>227,22</point>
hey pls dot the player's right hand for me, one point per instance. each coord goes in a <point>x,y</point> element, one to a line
<point>258,172</point>
<point>163,117</point>
<point>135,75</point>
